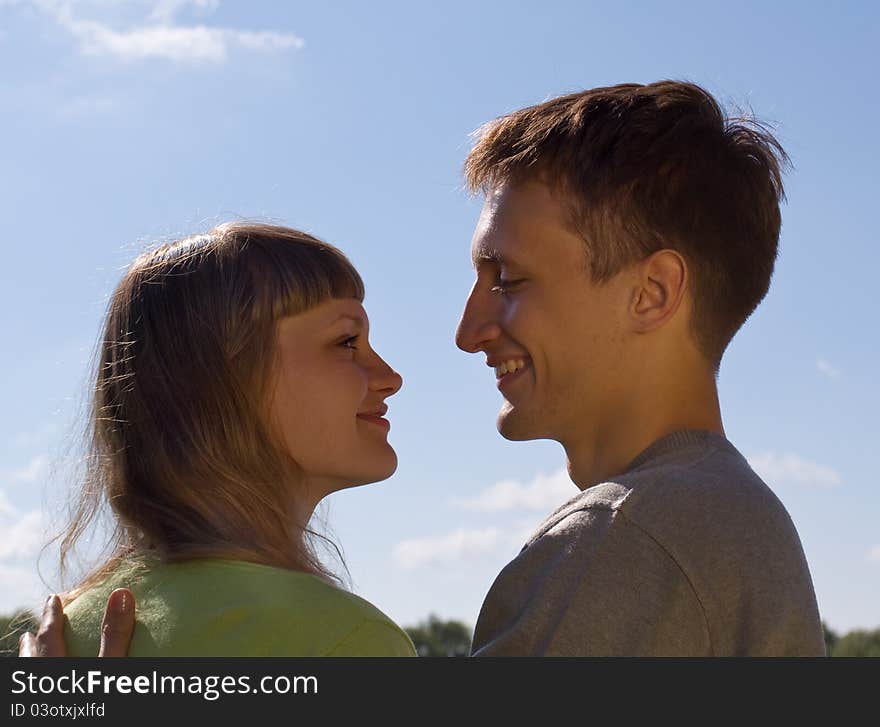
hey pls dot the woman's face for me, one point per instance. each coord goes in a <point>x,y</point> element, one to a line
<point>329,398</point>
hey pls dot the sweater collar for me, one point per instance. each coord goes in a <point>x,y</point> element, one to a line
<point>674,441</point>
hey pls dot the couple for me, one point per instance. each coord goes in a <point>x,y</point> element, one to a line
<point>627,234</point>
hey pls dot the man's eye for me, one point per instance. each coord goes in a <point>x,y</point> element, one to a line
<point>349,342</point>
<point>505,286</point>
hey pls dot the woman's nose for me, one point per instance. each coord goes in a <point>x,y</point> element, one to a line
<point>385,379</point>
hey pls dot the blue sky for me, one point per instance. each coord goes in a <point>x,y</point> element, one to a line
<point>125,123</point>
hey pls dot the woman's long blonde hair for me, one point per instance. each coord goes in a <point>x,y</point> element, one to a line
<point>181,447</point>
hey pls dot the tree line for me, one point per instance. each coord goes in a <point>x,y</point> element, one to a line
<point>436,637</point>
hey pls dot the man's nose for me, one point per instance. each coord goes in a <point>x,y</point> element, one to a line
<point>478,326</point>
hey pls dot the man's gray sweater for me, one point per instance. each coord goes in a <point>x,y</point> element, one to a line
<point>687,553</point>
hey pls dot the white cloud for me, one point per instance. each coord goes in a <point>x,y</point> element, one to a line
<point>32,472</point>
<point>23,534</point>
<point>24,537</point>
<point>166,11</point>
<point>777,469</point>
<point>164,39</point>
<point>266,40</point>
<point>521,532</point>
<point>173,43</point>
<point>544,492</point>
<point>826,368</point>
<point>37,437</point>
<point>449,548</point>
<point>874,554</point>
<point>6,507</point>
<point>22,588</point>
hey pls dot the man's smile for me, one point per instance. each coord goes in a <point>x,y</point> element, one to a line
<point>508,369</point>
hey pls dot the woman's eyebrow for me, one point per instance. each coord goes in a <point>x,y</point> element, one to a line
<point>357,320</point>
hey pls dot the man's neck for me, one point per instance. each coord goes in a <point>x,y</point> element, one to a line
<point>650,414</point>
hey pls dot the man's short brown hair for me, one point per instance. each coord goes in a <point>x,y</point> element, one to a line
<point>648,167</point>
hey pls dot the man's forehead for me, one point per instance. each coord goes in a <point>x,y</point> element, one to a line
<point>515,221</point>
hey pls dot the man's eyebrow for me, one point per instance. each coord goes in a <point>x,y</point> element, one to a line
<point>489,255</point>
<point>495,258</point>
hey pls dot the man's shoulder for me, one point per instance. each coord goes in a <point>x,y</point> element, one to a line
<point>714,487</point>
<point>701,492</point>
<point>604,498</point>
<point>696,526</point>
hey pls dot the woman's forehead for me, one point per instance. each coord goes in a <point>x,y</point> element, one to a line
<point>324,315</point>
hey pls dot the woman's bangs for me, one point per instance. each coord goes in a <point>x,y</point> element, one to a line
<point>301,276</point>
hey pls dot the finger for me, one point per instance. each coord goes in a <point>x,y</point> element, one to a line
<point>118,624</point>
<point>27,644</point>
<point>50,636</point>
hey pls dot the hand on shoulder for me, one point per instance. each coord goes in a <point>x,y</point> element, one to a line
<point>116,628</point>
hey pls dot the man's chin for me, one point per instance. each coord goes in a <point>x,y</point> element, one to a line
<point>514,426</point>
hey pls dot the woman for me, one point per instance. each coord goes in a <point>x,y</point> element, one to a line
<point>236,388</point>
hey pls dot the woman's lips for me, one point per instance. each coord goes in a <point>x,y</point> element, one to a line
<point>376,419</point>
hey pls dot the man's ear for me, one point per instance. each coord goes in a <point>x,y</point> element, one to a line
<point>661,281</point>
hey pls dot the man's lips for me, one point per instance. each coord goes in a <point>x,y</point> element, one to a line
<point>512,366</point>
<point>504,381</point>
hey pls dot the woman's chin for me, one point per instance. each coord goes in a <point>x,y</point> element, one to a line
<point>386,465</point>
<point>367,476</point>
<point>384,472</point>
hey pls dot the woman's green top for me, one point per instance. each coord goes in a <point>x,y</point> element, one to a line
<point>234,608</point>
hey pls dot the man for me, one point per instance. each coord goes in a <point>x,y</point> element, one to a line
<point>627,234</point>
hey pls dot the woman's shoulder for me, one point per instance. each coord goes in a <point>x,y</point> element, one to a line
<point>222,607</point>
<point>362,629</point>
<point>341,623</point>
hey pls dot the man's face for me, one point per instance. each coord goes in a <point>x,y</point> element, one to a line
<point>534,309</point>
